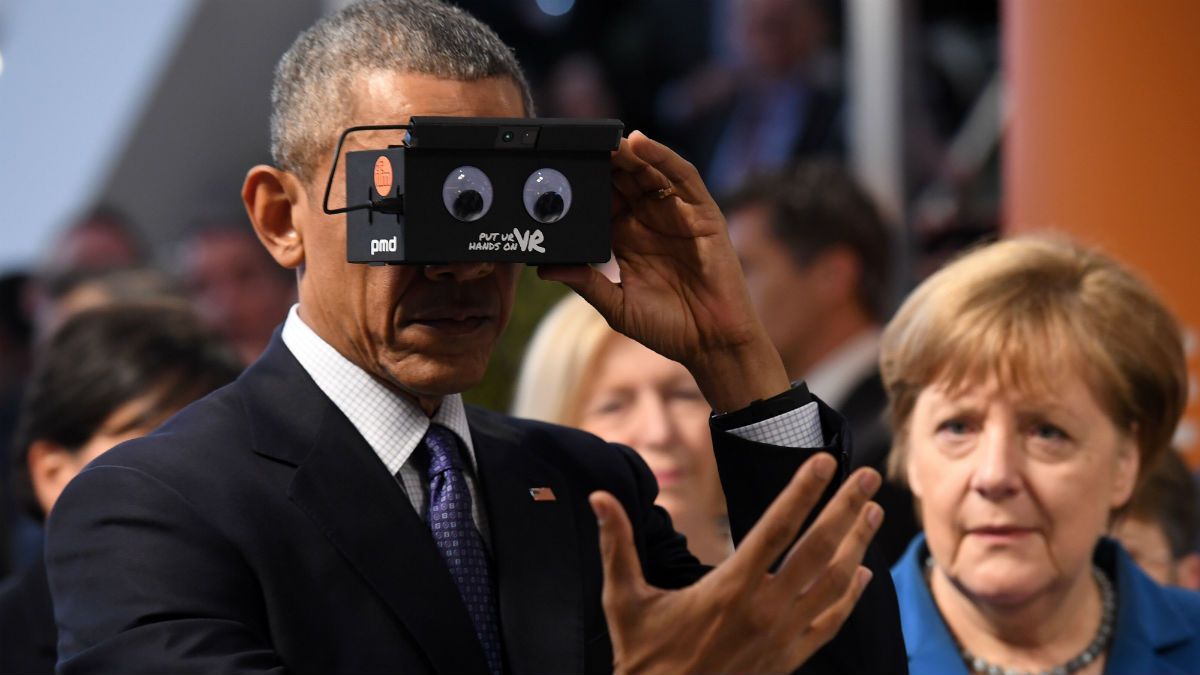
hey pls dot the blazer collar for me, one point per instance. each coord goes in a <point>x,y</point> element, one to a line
<point>341,484</point>
<point>1147,622</point>
<point>930,647</point>
<point>285,407</point>
<point>537,561</point>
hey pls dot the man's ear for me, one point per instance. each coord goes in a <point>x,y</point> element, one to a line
<point>51,467</point>
<point>270,195</point>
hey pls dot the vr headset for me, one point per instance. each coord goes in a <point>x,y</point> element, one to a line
<point>465,189</point>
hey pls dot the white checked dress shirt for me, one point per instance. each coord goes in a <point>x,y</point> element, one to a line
<point>393,425</point>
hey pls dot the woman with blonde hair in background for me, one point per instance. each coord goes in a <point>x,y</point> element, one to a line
<point>579,372</point>
<point>1029,382</point>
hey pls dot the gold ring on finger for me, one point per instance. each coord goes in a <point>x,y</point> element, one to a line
<point>663,193</point>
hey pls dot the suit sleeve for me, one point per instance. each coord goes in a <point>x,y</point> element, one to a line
<point>752,476</point>
<point>666,560</point>
<point>141,583</point>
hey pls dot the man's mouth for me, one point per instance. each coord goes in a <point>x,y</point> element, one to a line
<point>463,324</point>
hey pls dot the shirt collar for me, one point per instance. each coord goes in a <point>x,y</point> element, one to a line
<point>835,377</point>
<point>392,424</point>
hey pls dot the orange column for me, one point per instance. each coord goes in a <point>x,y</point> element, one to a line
<point>1104,141</point>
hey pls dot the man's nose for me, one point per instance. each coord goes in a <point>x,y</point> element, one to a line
<point>998,472</point>
<point>459,271</point>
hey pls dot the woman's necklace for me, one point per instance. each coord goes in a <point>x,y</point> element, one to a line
<point>1099,643</point>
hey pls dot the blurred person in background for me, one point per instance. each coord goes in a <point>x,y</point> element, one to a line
<point>64,295</point>
<point>235,285</point>
<point>58,297</point>
<point>579,372</point>
<point>779,101</point>
<point>1161,527</point>
<point>1029,382</point>
<point>578,87</point>
<point>817,259</point>
<point>108,375</point>
<point>16,334</point>
<point>103,239</point>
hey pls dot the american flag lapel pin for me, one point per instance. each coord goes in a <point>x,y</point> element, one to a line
<point>542,494</point>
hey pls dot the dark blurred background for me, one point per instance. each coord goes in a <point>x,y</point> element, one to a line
<point>149,113</point>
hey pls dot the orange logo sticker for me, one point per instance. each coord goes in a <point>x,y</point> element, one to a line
<point>383,176</point>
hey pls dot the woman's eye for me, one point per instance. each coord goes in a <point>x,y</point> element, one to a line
<point>687,395</point>
<point>608,407</point>
<point>955,427</point>
<point>1049,432</point>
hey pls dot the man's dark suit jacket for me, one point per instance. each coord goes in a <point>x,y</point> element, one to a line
<point>257,531</point>
<point>27,634</point>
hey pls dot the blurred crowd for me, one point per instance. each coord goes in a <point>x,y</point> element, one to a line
<point>741,85</point>
<point>103,338</point>
<point>217,275</point>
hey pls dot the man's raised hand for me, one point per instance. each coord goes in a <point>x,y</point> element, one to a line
<point>681,292</point>
<point>741,617</point>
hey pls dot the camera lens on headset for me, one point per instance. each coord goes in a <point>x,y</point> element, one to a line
<point>547,195</point>
<point>467,194</point>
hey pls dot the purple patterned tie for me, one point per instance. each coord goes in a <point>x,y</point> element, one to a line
<point>448,514</point>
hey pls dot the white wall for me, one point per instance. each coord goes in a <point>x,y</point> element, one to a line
<point>76,73</point>
<point>155,106</point>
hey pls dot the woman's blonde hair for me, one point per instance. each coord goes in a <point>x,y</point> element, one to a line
<point>1026,311</point>
<point>559,360</point>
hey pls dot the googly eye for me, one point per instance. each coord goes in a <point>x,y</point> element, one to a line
<point>547,195</point>
<point>467,194</point>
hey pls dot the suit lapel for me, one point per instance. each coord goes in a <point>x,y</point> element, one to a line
<point>1147,625</point>
<point>535,550</point>
<point>342,486</point>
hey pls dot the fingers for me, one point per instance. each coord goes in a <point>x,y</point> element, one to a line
<point>844,520</point>
<point>622,569</point>
<point>629,188</point>
<point>655,166</point>
<point>828,622</point>
<point>590,284</point>
<point>777,528</point>
<point>682,173</point>
<point>843,574</point>
<point>634,178</point>
<point>840,574</point>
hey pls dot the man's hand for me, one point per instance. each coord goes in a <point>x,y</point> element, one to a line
<point>740,617</point>
<point>681,292</point>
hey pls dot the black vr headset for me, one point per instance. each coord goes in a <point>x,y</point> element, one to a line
<point>465,189</point>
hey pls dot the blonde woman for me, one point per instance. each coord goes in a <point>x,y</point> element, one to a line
<point>1029,382</point>
<point>581,373</point>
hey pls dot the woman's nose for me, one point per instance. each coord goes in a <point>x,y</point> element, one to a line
<point>655,426</point>
<point>997,474</point>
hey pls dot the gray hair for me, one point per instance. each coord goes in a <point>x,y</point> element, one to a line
<point>314,80</point>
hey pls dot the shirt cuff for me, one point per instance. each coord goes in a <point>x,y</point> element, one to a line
<point>790,419</point>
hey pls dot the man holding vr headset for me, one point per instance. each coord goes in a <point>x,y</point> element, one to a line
<point>337,509</point>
